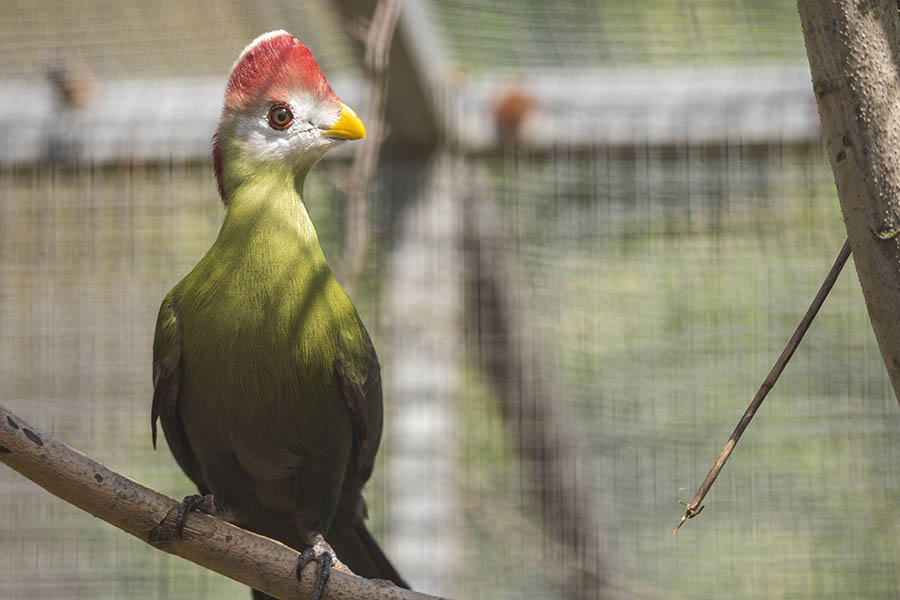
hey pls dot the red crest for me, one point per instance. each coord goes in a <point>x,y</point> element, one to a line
<point>277,64</point>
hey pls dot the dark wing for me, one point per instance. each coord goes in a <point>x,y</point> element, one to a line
<point>360,383</point>
<point>359,376</point>
<point>167,369</point>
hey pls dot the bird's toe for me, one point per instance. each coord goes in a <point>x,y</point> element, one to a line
<point>193,502</point>
<point>325,558</point>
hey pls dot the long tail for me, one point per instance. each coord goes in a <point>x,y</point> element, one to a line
<point>356,547</point>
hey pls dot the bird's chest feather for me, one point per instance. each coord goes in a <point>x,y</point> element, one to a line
<point>262,327</point>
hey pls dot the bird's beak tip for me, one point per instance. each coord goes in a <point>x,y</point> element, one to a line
<point>348,126</point>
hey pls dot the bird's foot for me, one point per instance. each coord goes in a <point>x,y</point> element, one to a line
<point>322,553</point>
<point>194,502</point>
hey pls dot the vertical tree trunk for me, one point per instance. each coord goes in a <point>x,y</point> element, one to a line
<point>854,53</point>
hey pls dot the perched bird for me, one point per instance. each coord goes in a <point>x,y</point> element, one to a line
<point>265,380</point>
<point>511,111</point>
<point>75,89</point>
<point>72,81</point>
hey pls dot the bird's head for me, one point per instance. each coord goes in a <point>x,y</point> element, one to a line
<point>279,113</point>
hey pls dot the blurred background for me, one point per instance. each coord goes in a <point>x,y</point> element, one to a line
<point>588,232</point>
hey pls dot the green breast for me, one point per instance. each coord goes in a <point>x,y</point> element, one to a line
<point>263,317</point>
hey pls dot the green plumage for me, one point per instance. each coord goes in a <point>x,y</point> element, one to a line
<point>266,382</point>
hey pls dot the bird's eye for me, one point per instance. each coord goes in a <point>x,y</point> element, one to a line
<point>280,116</point>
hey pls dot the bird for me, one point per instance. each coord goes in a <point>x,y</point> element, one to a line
<point>511,111</point>
<point>72,81</point>
<point>74,90</point>
<point>266,383</point>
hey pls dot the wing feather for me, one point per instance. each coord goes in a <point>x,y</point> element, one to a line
<point>167,371</point>
<point>360,383</point>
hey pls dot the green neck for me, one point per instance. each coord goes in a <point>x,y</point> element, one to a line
<point>266,219</point>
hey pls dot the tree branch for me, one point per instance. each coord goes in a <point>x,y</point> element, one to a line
<point>693,508</point>
<point>853,48</point>
<point>252,559</point>
<point>378,38</point>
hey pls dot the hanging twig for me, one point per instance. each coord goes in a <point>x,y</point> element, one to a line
<point>692,509</point>
<point>378,37</point>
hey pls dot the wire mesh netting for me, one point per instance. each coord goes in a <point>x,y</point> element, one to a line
<point>509,36</point>
<point>570,322</point>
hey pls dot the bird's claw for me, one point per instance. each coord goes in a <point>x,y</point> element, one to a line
<point>324,556</point>
<point>193,502</point>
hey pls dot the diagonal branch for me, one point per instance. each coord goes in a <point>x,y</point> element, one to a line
<point>252,559</point>
<point>694,507</point>
<point>512,360</point>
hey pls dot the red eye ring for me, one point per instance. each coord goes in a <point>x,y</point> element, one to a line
<point>280,116</point>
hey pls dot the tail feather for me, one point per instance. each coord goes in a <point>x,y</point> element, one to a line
<point>356,548</point>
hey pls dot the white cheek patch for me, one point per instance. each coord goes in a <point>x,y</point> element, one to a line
<point>311,117</point>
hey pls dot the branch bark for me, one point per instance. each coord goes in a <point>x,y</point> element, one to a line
<point>254,560</point>
<point>853,48</point>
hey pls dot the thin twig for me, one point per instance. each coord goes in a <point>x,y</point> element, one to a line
<point>378,38</point>
<point>692,511</point>
<point>252,559</point>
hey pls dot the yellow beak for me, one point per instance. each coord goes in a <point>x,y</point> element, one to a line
<point>348,126</point>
